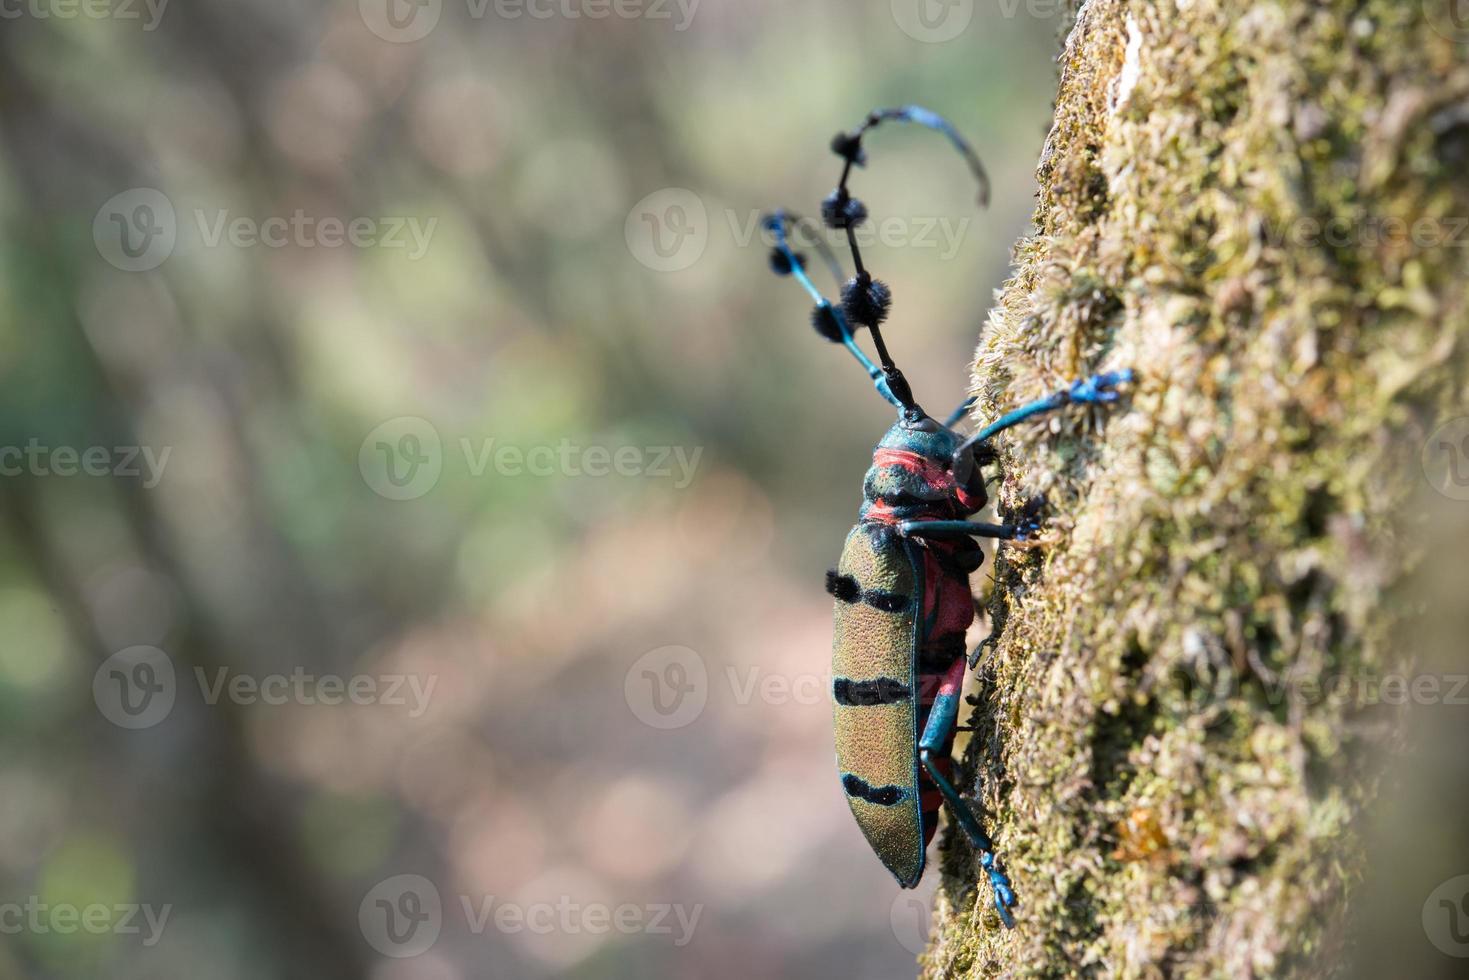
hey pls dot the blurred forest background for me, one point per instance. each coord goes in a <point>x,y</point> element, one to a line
<point>432,347</point>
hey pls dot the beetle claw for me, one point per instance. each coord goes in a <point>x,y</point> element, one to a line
<point>1004,896</point>
<point>1100,388</point>
<point>1026,530</point>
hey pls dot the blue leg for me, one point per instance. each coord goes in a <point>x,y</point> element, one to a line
<point>941,719</point>
<point>1096,390</point>
<point>978,529</point>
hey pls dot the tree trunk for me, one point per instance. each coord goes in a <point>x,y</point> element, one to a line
<point>1181,732</point>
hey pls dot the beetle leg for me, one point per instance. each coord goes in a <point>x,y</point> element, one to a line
<point>978,529</point>
<point>1099,389</point>
<point>941,720</point>
<point>1004,894</point>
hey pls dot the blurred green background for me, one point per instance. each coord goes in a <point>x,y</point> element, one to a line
<point>432,347</point>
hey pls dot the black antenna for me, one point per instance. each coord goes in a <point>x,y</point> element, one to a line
<point>865,300</point>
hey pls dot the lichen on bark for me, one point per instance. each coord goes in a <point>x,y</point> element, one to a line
<point>1252,203</point>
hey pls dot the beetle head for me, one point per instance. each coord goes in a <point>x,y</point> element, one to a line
<point>921,434</point>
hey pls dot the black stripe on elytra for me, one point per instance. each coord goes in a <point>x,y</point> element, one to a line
<point>884,690</point>
<point>881,795</point>
<point>846,589</point>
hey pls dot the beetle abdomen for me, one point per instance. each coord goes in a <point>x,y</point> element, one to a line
<point>879,591</point>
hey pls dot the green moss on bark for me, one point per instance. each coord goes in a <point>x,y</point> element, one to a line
<point>1251,204</point>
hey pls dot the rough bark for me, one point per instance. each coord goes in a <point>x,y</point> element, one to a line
<point>1239,199</point>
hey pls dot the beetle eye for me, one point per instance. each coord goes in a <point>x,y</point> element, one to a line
<point>962,465</point>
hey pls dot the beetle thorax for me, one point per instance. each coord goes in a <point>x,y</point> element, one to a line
<point>910,477</point>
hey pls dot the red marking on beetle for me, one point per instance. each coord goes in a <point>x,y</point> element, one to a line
<point>928,470</point>
<point>880,513</point>
<point>947,601</point>
<point>953,679</point>
<point>971,502</point>
<point>932,587</point>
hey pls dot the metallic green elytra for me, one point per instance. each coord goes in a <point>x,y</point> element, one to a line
<point>878,742</point>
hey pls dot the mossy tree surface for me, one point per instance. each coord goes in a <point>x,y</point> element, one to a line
<point>1254,204</point>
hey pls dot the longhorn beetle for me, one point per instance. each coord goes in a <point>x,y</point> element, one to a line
<point>902,584</point>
